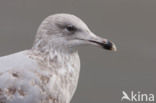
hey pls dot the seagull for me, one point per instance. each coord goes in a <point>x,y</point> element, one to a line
<point>49,71</point>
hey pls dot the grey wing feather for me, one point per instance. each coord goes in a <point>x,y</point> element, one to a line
<point>16,83</point>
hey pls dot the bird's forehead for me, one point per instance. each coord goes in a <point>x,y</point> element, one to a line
<point>68,19</point>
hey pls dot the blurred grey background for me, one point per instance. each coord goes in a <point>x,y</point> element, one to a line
<point>131,24</point>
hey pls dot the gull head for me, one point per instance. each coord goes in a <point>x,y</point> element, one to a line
<point>65,32</point>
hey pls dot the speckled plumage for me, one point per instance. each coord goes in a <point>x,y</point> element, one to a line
<point>30,77</point>
<point>49,72</point>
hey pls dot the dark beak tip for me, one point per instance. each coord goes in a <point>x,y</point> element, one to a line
<point>109,46</point>
<point>106,45</point>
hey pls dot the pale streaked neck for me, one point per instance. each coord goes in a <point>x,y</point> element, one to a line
<point>49,57</point>
<point>50,52</point>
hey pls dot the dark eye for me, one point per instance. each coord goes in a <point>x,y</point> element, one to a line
<point>71,28</point>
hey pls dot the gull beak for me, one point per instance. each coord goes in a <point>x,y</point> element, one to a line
<point>104,43</point>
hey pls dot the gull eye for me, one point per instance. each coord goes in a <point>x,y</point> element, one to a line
<point>71,28</point>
